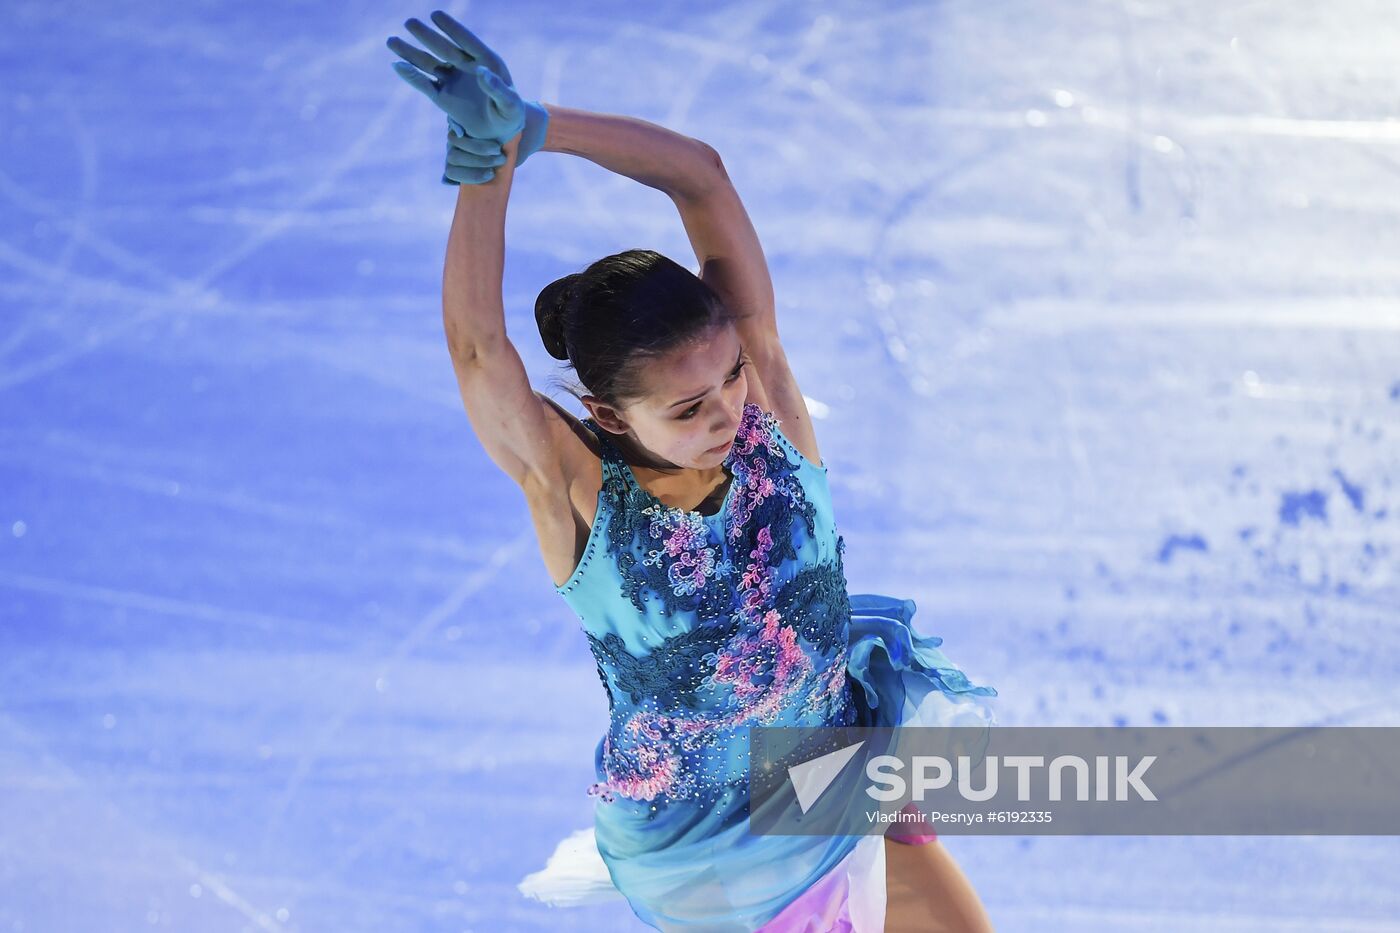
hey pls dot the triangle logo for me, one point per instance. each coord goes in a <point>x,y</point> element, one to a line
<point>811,778</point>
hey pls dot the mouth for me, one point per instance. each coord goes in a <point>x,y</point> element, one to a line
<point>721,448</point>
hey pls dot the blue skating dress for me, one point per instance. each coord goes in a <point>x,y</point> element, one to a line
<point>703,626</point>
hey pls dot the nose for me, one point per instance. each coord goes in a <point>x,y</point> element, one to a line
<point>726,434</point>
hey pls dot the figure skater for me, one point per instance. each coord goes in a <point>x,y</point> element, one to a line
<point>688,523</point>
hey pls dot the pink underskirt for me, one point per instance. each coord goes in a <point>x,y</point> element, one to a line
<point>897,834</point>
<point>828,904</point>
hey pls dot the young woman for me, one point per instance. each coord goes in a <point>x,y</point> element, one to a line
<point>688,523</point>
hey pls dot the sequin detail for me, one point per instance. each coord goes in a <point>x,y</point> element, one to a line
<point>760,650</point>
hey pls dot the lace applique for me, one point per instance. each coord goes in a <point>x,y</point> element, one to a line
<point>759,647</point>
<point>685,552</point>
<point>677,668</point>
<point>817,598</point>
<point>681,562</point>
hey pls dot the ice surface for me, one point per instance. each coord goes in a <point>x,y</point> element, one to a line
<point>1097,302</point>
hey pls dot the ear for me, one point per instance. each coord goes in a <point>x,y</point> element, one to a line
<point>608,417</point>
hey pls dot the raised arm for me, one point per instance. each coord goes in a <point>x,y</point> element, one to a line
<point>691,173</point>
<point>653,155</point>
<point>508,416</point>
<point>721,234</point>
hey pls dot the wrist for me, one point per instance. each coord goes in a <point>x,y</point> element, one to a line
<point>536,128</point>
<point>468,162</point>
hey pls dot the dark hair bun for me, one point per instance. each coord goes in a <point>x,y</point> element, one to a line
<point>552,309</point>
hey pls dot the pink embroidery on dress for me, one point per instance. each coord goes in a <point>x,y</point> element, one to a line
<point>765,644</point>
<point>685,552</point>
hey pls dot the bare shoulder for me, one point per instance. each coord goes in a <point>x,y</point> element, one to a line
<point>564,517</point>
<point>773,387</point>
<point>579,451</point>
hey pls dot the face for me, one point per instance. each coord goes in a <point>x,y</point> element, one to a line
<point>695,400</point>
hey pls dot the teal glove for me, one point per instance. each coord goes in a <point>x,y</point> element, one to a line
<point>471,94</point>
<point>536,116</point>
<point>487,108</point>
<point>470,161</point>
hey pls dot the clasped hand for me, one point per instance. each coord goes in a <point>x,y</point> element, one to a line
<point>469,82</point>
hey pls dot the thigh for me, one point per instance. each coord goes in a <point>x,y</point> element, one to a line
<point>927,892</point>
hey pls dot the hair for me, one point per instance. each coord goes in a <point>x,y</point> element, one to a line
<point>622,310</point>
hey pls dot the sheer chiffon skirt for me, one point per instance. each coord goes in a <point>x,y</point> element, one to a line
<point>900,677</point>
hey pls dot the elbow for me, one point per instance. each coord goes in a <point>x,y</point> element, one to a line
<point>706,176</point>
<point>711,154</point>
<point>714,165</point>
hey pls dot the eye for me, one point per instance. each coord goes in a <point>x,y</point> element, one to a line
<point>691,411</point>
